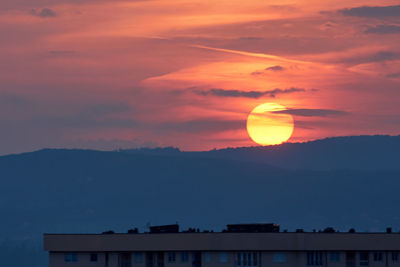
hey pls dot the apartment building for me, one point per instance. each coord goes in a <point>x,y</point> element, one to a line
<point>244,245</point>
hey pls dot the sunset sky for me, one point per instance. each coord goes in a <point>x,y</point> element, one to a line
<point>187,73</point>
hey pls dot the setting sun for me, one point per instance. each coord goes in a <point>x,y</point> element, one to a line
<point>267,127</point>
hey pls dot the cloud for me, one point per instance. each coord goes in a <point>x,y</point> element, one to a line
<point>62,52</point>
<point>275,68</point>
<point>383,29</point>
<point>249,54</point>
<point>105,109</point>
<point>250,38</point>
<point>249,94</point>
<point>93,116</point>
<point>383,56</point>
<point>25,4</point>
<point>312,112</point>
<point>44,13</point>
<point>203,125</point>
<point>393,75</point>
<point>257,73</point>
<point>372,11</point>
<point>15,100</point>
<point>380,56</point>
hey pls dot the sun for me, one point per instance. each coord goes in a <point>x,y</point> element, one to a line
<point>266,126</point>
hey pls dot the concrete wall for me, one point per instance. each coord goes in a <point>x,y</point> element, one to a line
<point>265,259</point>
<point>224,242</point>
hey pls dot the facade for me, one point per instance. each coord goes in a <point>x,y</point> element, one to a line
<point>244,246</point>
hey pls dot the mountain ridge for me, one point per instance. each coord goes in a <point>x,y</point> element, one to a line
<point>351,152</point>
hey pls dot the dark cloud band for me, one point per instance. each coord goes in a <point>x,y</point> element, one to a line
<point>384,29</point>
<point>312,112</point>
<point>372,11</point>
<point>248,94</point>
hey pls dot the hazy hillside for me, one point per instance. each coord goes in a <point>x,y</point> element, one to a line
<point>93,191</point>
<point>350,153</point>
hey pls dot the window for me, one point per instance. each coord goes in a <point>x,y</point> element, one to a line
<point>395,256</point>
<point>255,263</point>
<point>364,258</point>
<point>378,256</point>
<point>196,259</point>
<point>138,257</point>
<point>184,257</point>
<point>314,258</point>
<point>93,257</point>
<point>125,259</point>
<point>207,257</point>
<point>70,257</point>
<point>335,256</point>
<point>223,257</point>
<point>350,258</point>
<point>246,259</point>
<point>279,257</point>
<point>171,257</point>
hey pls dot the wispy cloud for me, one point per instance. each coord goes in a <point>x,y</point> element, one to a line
<point>393,75</point>
<point>206,125</point>
<point>372,11</point>
<point>248,94</point>
<point>312,112</point>
<point>15,100</point>
<point>384,29</point>
<point>250,54</point>
<point>44,13</point>
<point>380,56</point>
<point>61,52</point>
<point>275,68</point>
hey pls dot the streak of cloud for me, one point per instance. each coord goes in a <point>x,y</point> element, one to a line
<point>372,11</point>
<point>384,29</point>
<point>312,112</point>
<point>206,125</point>
<point>61,52</point>
<point>250,54</point>
<point>380,56</point>
<point>248,94</point>
<point>275,68</point>
<point>393,75</point>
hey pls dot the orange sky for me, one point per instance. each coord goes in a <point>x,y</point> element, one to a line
<point>119,74</point>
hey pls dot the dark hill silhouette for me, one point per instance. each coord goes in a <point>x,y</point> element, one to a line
<point>93,191</point>
<point>380,152</point>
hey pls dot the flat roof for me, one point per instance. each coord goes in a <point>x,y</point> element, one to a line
<point>281,241</point>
